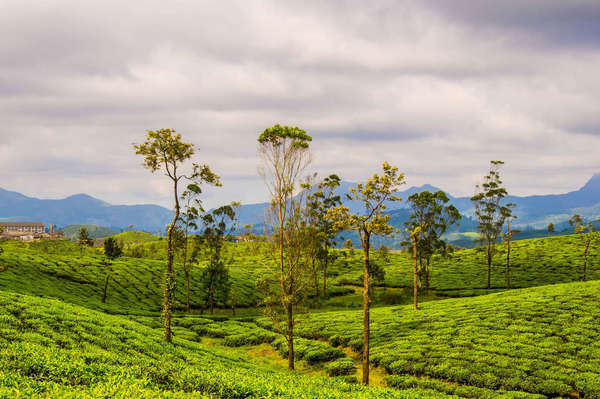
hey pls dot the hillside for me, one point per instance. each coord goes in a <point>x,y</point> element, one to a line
<point>61,270</point>
<point>540,340</point>
<point>525,343</point>
<point>54,350</point>
<point>71,232</point>
<point>135,237</point>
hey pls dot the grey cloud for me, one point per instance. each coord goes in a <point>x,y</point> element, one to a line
<point>437,87</point>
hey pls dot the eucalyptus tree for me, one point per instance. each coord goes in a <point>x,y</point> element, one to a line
<point>217,226</point>
<point>318,205</point>
<point>84,240</point>
<point>582,227</point>
<point>414,238</point>
<point>432,214</point>
<point>285,154</point>
<point>490,212</point>
<point>507,238</point>
<point>163,150</point>
<point>373,195</point>
<point>112,250</point>
<point>192,209</point>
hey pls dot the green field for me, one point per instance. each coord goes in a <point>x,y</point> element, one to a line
<point>537,341</point>
<point>540,340</point>
<point>55,350</point>
<point>60,270</point>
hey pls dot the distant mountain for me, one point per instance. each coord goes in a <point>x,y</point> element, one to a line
<point>82,209</point>
<point>533,211</point>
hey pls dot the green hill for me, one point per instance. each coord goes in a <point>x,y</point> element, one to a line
<point>60,270</point>
<point>71,232</point>
<point>55,350</point>
<point>540,340</point>
<point>525,343</point>
<point>135,237</point>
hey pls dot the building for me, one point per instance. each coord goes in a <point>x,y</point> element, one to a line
<point>22,228</point>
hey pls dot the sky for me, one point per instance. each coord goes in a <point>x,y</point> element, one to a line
<point>437,88</point>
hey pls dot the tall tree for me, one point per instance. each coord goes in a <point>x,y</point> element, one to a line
<point>582,227</point>
<point>490,212</point>
<point>214,278</point>
<point>84,240</point>
<point>285,154</point>
<point>319,203</point>
<point>373,196</point>
<point>550,227</point>
<point>507,238</point>
<point>414,238</point>
<point>192,209</point>
<point>433,216</point>
<point>112,250</point>
<point>164,151</point>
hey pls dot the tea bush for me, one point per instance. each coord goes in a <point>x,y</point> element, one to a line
<point>541,340</point>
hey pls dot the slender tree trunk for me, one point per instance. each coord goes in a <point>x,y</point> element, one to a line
<point>325,273</point>
<point>187,291</point>
<point>167,299</point>
<point>316,276</point>
<point>415,275</point>
<point>366,309</point>
<point>290,335</point>
<point>508,235</point>
<point>585,256</point>
<point>105,287</point>
<point>427,277</point>
<point>489,262</point>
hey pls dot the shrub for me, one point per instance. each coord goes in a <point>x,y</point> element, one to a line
<point>344,366</point>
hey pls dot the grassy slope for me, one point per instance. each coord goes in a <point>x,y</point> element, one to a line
<point>52,349</point>
<point>534,262</point>
<point>134,236</point>
<point>57,269</point>
<point>541,340</point>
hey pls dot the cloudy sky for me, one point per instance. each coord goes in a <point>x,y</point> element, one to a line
<point>438,88</point>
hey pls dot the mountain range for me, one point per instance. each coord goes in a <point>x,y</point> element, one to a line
<point>533,211</point>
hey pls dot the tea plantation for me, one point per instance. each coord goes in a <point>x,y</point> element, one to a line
<point>543,340</point>
<point>51,349</point>
<point>58,339</point>
<point>61,270</point>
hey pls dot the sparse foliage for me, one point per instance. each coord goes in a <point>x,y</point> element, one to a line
<point>373,195</point>
<point>490,212</point>
<point>214,278</point>
<point>164,151</point>
<point>432,214</point>
<point>586,230</point>
<point>112,250</point>
<point>285,155</point>
<point>192,209</point>
<point>318,202</point>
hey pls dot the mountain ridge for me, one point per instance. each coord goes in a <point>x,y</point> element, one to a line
<point>533,211</point>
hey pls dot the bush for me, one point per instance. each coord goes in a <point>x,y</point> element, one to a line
<point>249,339</point>
<point>344,366</point>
